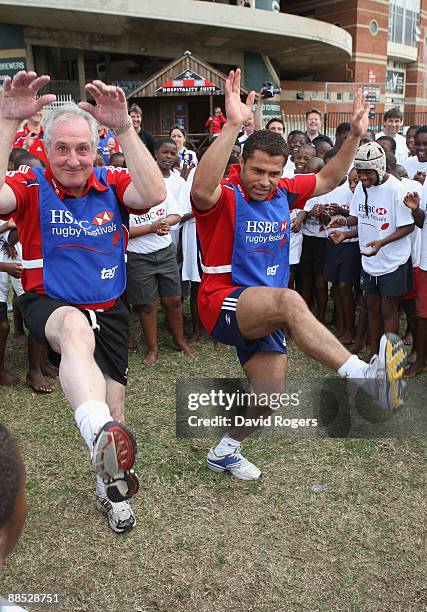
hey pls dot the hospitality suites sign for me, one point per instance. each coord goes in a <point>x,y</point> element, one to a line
<point>188,82</point>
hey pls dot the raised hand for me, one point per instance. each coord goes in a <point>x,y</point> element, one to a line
<point>359,122</point>
<point>237,111</point>
<point>412,200</point>
<point>111,108</point>
<point>19,95</point>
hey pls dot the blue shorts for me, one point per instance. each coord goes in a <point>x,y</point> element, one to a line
<point>227,331</point>
<point>342,263</point>
<point>393,284</point>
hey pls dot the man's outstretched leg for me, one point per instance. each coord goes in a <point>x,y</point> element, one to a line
<point>252,319</point>
<point>261,310</point>
<point>90,395</point>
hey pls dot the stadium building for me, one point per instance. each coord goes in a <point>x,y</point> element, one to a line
<point>171,56</point>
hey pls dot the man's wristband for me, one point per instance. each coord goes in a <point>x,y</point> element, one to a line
<point>128,125</point>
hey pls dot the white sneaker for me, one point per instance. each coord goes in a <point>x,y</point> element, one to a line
<point>120,515</point>
<point>385,371</point>
<point>234,463</point>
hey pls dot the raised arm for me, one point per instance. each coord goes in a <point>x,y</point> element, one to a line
<point>258,112</point>
<point>148,187</point>
<point>206,187</point>
<point>332,174</point>
<point>17,103</point>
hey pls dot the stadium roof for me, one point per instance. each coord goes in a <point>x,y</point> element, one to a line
<point>165,28</point>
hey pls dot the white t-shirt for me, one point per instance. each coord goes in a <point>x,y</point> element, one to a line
<point>295,244</point>
<point>190,268</point>
<point>289,169</point>
<point>175,186</point>
<point>312,225</point>
<point>4,276</point>
<point>423,250</point>
<point>402,150</point>
<point>150,243</point>
<point>341,195</point>
<point>410,186</point>
<point>386,212</point>
<point>412,166</point>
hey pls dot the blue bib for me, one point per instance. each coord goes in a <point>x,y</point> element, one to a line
<point>82,244</point>
<point>261,241</point>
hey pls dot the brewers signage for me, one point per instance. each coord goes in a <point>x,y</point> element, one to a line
<point>10,66</point>
<point>188,82</point>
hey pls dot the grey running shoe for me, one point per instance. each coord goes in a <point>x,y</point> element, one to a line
<point>120,515</point>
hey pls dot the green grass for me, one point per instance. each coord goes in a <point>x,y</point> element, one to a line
<point>204,541</point>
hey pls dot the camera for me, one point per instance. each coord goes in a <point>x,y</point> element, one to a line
<point>268,90</point>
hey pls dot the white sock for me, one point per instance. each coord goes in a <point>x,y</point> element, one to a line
<point>226,446</point>
<point>100,487</point>
<point>90,417</point>
<point>354,368</point>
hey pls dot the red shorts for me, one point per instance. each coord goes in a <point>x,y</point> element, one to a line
<point>422,295</point>
<point>411,295</point>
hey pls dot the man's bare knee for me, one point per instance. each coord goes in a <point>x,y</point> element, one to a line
<point>70,330</point>
<point>290,303</point>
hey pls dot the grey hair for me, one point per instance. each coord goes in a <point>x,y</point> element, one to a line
<point>65,113</point>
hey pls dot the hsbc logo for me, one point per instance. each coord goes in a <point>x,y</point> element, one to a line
<point>65,224</point>
<point>271,270</point>
<point>371,209</point>
<point>261,227</point>
<point>103,218</point>
<point>151,216</point>
<point>65,217</point>
<point>381,211</point>
<point>283,226</point>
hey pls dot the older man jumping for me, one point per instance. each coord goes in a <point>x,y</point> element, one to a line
<point>73,225</point>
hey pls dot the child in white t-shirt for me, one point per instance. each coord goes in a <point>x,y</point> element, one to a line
<point>190,269</point>
<point>152,269</point>
<point>384,226</point>
<point>416,166</point>
<point>342,261</point>
<point>418,210</point>
<point>310,269</point>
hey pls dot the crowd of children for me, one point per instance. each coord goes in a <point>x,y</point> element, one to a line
<point>354,244</point>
